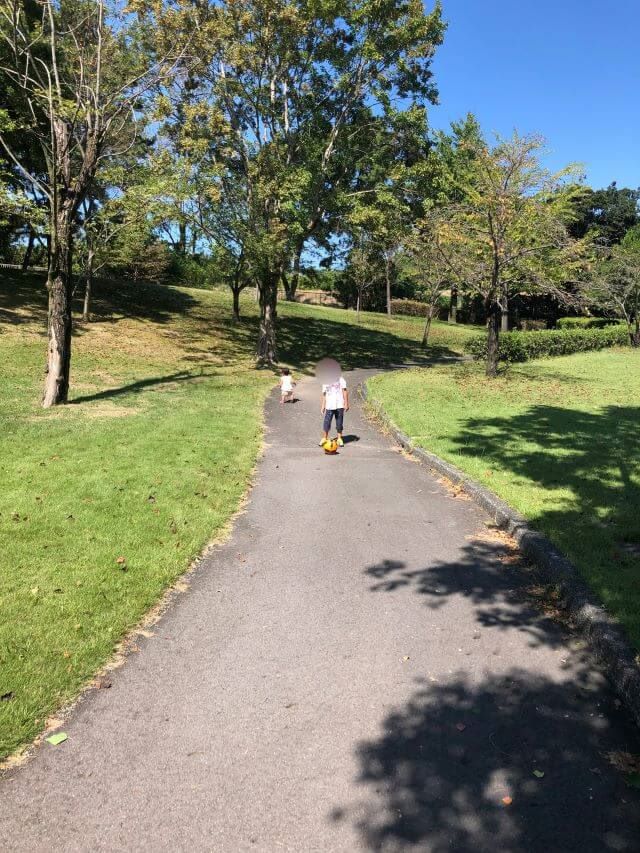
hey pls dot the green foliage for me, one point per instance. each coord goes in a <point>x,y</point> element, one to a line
<point>415,308</point>
<point>524,346</point>
<point>607,213</point>
<point>584,322</point>
<point>189,271</point>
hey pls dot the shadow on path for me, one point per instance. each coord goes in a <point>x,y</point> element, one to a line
<point>435,777</point>
<point>447,758</point>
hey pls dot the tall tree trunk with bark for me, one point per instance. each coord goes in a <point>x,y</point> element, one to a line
<point>291,283</point>
<point>634,330</point>
<point>387,274</point>
<point>59,285</point>
<point>267,353</point>
<point>86,307</point>
<point>494,315</point>
<point>29,250</point>
<point>504,313</point>
<point>182,237</point>
<point>453,305</point>
<point>427,328</point>
<point>236,302</point>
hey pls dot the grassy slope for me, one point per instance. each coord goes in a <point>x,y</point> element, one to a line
<point>147,463</point>
<point>557,439</point>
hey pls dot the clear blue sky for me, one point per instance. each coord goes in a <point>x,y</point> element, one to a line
<point>569,69</point>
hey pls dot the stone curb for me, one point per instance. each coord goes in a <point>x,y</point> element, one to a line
<point>592,621</point>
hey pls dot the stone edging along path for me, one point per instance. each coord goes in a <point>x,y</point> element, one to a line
<point>590,618</point>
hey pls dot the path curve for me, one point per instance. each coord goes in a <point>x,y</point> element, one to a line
<point>357,668</point>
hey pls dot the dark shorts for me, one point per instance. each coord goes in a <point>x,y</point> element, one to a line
<point>329,415</point>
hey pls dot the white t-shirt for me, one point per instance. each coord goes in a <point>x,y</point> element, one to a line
<point>286,384</point>
<point>334,398</point>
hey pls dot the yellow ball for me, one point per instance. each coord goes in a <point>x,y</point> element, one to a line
<point>330,446</point>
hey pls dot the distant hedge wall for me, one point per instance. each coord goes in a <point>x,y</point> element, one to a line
<point>585,322</point>
<point>414,308</point>
<point>523,346</point>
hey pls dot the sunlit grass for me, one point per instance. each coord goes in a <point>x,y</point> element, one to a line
<point>558,439</point>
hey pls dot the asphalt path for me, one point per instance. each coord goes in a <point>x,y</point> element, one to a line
<point>359,667</point>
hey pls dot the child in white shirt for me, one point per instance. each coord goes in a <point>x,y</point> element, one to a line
<point>286,387</point>
<point>335,402</point>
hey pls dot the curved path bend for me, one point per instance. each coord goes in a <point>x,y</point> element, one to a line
<point>357,668</point>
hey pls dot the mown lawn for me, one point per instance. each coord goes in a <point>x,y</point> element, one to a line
<point>146,464</point>
<point>558,439</point>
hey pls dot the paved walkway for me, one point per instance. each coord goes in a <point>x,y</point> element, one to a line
<point>354,670</point>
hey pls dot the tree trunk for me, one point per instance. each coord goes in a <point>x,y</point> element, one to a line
<point>267,352</point>
<point>427,329</point>
<point>634,332</point>
<point>493,339</point>
<point>182,238</point>
<point>453,305</point>
<point>504,315</point>
<point>56,388</point>
<point>358,308</point>
<point>291,284</point>
<point>236,303</point>
<point>29,250</point>
<point>387,273</point>
<point>86,307</point>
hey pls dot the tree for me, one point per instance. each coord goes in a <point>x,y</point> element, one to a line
<point>79,74</point>
<point>425,261</point>
<point>615,288</point>
<point>509,232</point>
<point>285,93</point>
<point>607,213</point>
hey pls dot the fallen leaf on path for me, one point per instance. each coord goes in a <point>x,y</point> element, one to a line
<point>506,801</point>
<point>406,658</point>
<point>539,774</point>
<point>59,737</point>
<point>461,727</point>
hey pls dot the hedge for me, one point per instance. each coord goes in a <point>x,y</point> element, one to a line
<point>522,346</point>
<point>414,308</point>
<point>585,322</point>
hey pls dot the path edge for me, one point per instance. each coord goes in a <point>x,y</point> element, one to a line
<point>592,621</point>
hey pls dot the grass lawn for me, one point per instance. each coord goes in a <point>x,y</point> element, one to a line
<point>147,463</point>
<point>558,439</point>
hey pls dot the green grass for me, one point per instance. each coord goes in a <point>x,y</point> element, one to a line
<point>147,463</point>
<point>558,440</point>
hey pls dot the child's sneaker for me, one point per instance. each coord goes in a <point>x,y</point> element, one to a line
<point>340,441</point>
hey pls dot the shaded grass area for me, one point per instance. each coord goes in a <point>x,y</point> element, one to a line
<point>147,463</point>
<point>559,441</point>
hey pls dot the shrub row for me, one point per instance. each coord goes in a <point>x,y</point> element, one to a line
<point>414,308</point>
<point>522,346</point>
<point>585,322</point>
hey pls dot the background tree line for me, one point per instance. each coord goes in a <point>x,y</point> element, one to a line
<point>267,143</point>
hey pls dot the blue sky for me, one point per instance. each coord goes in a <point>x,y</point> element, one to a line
<point>568,69</point>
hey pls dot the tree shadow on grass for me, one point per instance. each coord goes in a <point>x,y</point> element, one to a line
<point>303,341</point>
<point>435,777</point>
<point>23,298</point>
<point>141,385</point>
<point>591,460</point>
